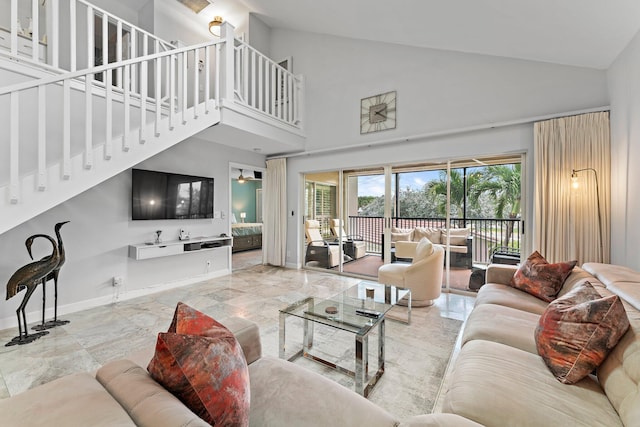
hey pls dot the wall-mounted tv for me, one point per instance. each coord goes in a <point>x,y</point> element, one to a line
<point>162,195</point>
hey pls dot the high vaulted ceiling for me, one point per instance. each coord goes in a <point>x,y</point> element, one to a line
<point>586,33</point>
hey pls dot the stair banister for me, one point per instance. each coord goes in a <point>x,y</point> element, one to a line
<point>14,92</point>
<point>79,15</point>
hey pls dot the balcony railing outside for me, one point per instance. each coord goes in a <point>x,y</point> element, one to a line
<point>488,234</point>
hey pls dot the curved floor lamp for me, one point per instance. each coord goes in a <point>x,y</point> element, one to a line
<point>574,184</point>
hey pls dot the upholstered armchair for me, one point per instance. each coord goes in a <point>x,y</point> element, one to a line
<point>423,276</point>
<point>318,249</point>
<point>354,245</point>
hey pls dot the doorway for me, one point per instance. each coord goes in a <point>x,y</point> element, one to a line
<point>245,215</point>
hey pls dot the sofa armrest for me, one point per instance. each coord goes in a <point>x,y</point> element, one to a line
<point>146,401</point>
<point>248,335</point>
<point>500,273</point>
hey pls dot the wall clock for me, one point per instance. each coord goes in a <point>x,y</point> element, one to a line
<point>378,112</point>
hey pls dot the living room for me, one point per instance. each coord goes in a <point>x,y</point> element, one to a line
<point>451,105</point>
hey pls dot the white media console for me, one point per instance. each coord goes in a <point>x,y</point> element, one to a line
<point>176,247</point>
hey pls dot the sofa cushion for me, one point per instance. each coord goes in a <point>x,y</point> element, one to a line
<point>147,402</point>
<point>207,372</point>
<point>619,374</point>
<point>577,331</point>
<point>285,394</point>
<point>497,385</point>
<point>400,237</point>
<point>493,293</point>
<point>540,278</point>
<point>73,400</point>
<point>502,324</point>
<point>433,234</point>
<point>458,236</point>
<point>423,249</point>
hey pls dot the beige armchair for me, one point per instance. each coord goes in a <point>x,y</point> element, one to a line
<point>354,246</point>
<point>423,276</point>
<point>318,249</point>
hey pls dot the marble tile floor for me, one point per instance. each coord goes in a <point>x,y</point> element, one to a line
<point>417,355</point>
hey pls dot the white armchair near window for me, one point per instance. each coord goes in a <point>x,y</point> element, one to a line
<point>423,276</point>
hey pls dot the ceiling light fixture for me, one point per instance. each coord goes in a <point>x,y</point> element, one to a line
<point>215,25</point>
<point>241,179</point>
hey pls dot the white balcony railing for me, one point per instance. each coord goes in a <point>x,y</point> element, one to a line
<point>265,86</point>
<point>74,37</point>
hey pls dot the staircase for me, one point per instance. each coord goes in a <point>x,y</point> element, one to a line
<point>70,124</point>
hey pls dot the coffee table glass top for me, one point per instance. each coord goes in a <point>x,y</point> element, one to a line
<point>345,305</point>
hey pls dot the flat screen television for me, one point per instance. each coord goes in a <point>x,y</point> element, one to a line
<point>162,195</point>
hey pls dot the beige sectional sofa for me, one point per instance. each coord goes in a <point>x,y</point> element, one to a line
<point>404,241</point>
<point>498,378</point>
<point>282,394</point>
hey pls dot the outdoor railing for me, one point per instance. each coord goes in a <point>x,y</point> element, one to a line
<point>488,233</point>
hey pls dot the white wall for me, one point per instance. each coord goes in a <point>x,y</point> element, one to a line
<point>97,238</point>
<point>437,91</point>
<point>624,89</point>
<point>259,34</point>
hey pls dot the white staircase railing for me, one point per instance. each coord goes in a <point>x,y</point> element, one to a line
<point>265,86</point>
<point>71,38</point>
<point>75,116</point>
<point>103,107</point>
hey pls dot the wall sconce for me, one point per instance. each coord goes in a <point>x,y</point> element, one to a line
<point>214,26</point>
<point>575,185</point>
<point>243,215</point>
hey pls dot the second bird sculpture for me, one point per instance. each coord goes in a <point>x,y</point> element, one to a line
<point>51,276</point>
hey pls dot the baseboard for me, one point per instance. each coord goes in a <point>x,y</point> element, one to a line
<point>11,322</point>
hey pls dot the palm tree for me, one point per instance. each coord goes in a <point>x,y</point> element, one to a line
<point>439,189</point>
<point>501,183</point>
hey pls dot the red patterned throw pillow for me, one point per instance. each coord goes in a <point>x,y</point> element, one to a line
<point>201,363</point>
<point>541,279</point>
<point>578,330</point>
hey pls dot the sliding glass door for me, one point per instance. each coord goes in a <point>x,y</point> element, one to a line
<point>471,207</point>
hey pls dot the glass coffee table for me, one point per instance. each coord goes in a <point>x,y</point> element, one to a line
<point>352,311</point>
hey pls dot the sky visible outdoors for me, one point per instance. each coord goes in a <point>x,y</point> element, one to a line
<point>373,185</point>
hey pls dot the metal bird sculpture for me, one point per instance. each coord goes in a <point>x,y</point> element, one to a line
<point>51,276</point>
<point>29,276</point>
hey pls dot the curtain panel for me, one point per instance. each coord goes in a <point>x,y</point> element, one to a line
<point>275,213</point>
<point>573,223</point>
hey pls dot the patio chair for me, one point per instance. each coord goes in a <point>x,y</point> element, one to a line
<point>318,249</point>
<point>423,276</point>
<point>354,245</point>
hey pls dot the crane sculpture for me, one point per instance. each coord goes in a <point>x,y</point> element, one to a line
<point>29,276</point>
<point>51,276</point>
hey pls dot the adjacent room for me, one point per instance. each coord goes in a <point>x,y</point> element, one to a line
<point>276,213</point>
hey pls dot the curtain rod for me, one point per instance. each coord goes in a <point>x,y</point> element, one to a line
<point>415,138</point>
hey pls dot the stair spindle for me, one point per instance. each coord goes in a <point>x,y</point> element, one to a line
<point>42,147</point>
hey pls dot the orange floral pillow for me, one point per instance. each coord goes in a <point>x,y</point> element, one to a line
<point>541,279</point>
<point>578,330</point>
<point>201,363</point>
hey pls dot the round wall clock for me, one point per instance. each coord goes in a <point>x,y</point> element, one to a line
<point>378,112</point>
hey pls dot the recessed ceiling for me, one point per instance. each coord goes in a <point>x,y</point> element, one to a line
<point>585,33</point>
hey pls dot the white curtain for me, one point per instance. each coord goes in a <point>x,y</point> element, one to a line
<point>569,222</point>
<point>275,213</point>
